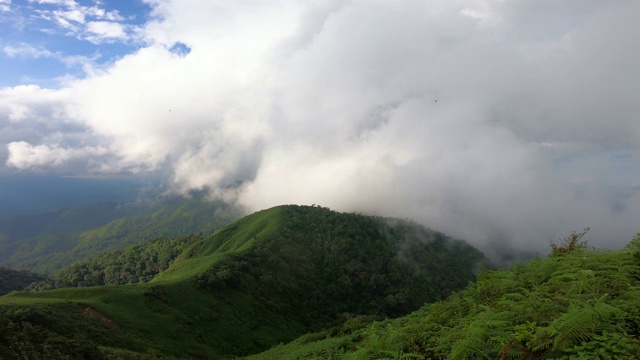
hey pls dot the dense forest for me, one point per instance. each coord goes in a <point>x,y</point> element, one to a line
<point>325,264</point>
<point>262,280</point>
<point>16,279</point>
<point>578,303</point>
<point>134,264</point>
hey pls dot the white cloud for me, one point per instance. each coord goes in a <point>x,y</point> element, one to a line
<point>26,50</point>
<point>102,14</point>
<point>489,120</point>
<point>31,104</point>
<point>5,5</point>
<point>69,3</point>
<point>105,31</point>
<point>91,23</point>
<point>23,155</point>
<point>29,51</point>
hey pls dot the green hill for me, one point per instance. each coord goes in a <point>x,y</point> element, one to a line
<point>265,279</point>
<point>47,242</point>
<point>576,304</point>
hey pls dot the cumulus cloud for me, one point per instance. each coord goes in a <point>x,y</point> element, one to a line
<point>23,155</point>
<point>105,31</point>
<point>499,122</point>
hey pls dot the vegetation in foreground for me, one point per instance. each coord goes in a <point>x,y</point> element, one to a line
<point>578,303</point>
<point>265,279</point>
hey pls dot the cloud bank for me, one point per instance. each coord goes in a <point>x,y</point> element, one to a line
<point>499,122</point>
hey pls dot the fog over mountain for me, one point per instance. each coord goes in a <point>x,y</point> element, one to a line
<point>495,121</point>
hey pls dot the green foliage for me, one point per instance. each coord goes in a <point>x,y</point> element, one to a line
<point>135,264</point>
<point>570,243</point>
<point>576,304</point>
<point>634,246</point>
<point>27,334</point>
<point>16,280</point>
<point>605,346</point>
<point>262,280</point>
<point>323,263</point>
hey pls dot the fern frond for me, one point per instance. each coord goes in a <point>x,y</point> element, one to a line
<point>398,355</point>
<point>581,323</point>
<point>574,326</point>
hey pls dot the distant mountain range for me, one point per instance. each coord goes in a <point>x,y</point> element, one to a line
<point>264,279</point>
<point>50,241</point>
<point>23,193</point>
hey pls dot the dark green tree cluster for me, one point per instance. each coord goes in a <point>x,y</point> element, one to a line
<point>26,334</point>
<point>16,279</point>
<point>323,263</point>
<point>134,264</point>
<point>63,332</point>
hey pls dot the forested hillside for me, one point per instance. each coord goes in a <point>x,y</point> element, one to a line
<point>265,279</point>
<point>16,280</point>
<point>325,264</point>
<point>136,263</point>
<point>578,303</point>
<point>47,242</point>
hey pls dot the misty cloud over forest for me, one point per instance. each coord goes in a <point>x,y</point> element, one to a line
<point>493,121</point>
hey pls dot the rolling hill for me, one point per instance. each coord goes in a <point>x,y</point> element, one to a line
<point>265,279</point>
<point>48,242</point>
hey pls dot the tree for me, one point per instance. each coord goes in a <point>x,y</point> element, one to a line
<point>570,243</point>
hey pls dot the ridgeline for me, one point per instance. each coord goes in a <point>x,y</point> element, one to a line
<point>265,279</point>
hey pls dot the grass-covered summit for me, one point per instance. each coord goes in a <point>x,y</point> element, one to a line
<point>264,279</point>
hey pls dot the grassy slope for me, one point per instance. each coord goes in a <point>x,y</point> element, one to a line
<point>237,237</point>
<point>578,305</point>
<point>51,241</point>
<point>174,318</point>
<point>170,314</point>
<point>174,314</point>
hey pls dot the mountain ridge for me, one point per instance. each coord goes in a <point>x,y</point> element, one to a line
<point>264,279</point>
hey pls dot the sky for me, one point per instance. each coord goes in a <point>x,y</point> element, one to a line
<point>506,123</point>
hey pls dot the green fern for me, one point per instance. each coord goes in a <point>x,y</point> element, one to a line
<point>398,355</point>
<point>480,338</point>
<point>580,323</point>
